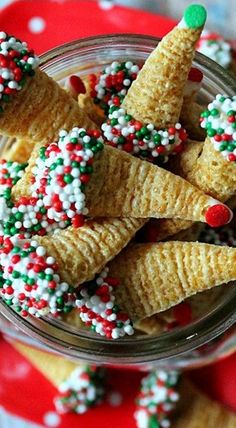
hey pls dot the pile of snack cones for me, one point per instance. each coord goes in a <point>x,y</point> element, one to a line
<point>91,198</point>
<point>106,158</point>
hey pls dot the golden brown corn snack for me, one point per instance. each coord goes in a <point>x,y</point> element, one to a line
<point>155,277</point>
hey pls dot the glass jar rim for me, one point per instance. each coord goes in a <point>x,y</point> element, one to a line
<point>142,349</point>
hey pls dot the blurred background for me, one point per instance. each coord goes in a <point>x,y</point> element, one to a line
<point>221,13</point>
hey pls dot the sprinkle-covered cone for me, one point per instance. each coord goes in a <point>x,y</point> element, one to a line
<point>156,96</point>
<point>196,410</point>
<point>213,168</point>
<point>83,252</point>
<point>40,109</point>
<point>213,173</point>
<point>122,185</point>
<point>155,277</point>
<point>55,368</point>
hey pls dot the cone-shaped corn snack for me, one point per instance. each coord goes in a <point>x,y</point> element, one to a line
<point>81,253</point>
<point>120,185</point>
<point>184,313</point>
<point>80,386</point>
<point>191,110</point>
<point>55,368</point>
<point>73,255</point>
<point>33,106</point>
<point>155,277</point>
<point>213,173</point>
<point>156,96</point>
<point>196,410</point>
<point>214,169</point>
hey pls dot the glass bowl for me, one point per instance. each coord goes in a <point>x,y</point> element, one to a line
<point>182,347</point>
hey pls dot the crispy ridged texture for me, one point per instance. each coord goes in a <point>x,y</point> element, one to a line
<point>150,98</point>
<point>83,252</point>
<point>40,110</point>
<point>55,368</point>
<point>213,174</point>
<point>155,277</point>
<point>189,119</point>
<point>196,410</point>
<point>122,185</point>
<point>18,150</point>
<point>200,304</point>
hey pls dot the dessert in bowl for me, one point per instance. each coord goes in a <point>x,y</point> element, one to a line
<point>119,193</point>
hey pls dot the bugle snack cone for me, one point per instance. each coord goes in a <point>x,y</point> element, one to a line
<point>150,99</point>
<point>155,277</point>
<point>122,185</point>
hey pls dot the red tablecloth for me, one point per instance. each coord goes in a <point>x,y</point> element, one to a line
<point>45,24</point>
<point>24,392</point>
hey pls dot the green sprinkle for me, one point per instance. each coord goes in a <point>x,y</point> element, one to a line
<point>114,122</point>
<point>230,147</point>
<point>68,178</point>
<point>214,112</point>
<point>211,132</point>
<point>195,16</point>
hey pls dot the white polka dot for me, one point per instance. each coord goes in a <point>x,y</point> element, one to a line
<point>115,399</point>
<point>51,419</point>
<point>36,24</point>
<point>106,4</point>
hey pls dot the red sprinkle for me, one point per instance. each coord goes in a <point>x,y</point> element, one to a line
<point>195,75</point>
<point>77,85</point>
<point>218,215</point>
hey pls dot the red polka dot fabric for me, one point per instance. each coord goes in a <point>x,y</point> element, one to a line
<point>45,24</point>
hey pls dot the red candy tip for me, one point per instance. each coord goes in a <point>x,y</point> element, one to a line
<point>218,215</point>
<point>195,75</point>
<point>77,85</point>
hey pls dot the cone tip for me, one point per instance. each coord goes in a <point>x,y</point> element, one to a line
<point>218,215</point>
<point>194,17</point>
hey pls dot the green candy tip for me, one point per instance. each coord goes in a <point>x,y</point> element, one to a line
<point>195,16</point>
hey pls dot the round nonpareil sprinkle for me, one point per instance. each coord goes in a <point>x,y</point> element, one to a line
<point>156,400</point>
<point>219,120</point>
<point>215,47</point>
<point>83,389</point>
<point>98,309</point>
<point>125,133</point>
<point>61,173</point>
<point>29,280</point>
<point>16,63</point>
<point>111,86</point>
<point>10,173</point>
